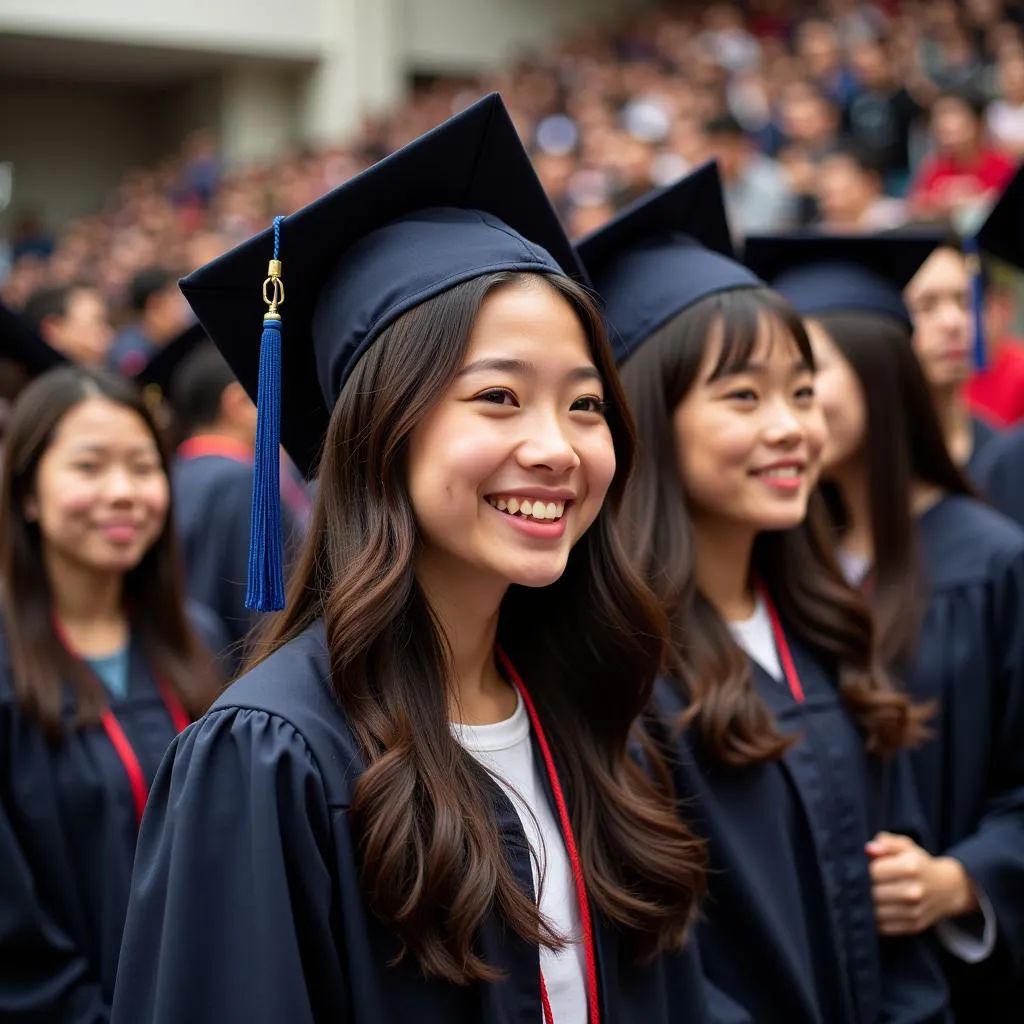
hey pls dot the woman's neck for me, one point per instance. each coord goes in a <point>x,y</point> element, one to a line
<point>722,568</point>
<point>89,605</point>
<point>468,616</point>
<point>852,481</point>
<point>955,420</point>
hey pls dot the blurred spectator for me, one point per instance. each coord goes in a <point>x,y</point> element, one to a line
<point>964,169</point>
<point>850,197</point>
<point>73,320</point>
<point>882,112</point>
<point>160,315</point>
<point>1005,117</point>
<point>757,195</point>
<point>817,47</point>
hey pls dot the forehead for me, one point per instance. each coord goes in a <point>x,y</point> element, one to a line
<point>99,422</point>
<point>528,313</point>
<point>944,270</point>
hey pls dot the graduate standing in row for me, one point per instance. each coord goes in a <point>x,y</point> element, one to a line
<point>101,664</point>
<point>420,806</point>
<point>945,577</point>
<point>786,734</point>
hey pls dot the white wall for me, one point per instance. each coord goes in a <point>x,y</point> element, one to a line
<point>281,28</point>
<point>470,35</point>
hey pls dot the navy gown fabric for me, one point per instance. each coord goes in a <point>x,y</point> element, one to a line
<point>999,474</point>
<point>68,830</point>
<point>970,659</point>
<point>247,908</point>
<point>213,502</point>
<point>787,934</point>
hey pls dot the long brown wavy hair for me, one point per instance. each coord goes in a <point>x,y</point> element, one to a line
<point>588,646</point>
<point>797,566</point>
<point>153,591</point>
<point>904,445</point>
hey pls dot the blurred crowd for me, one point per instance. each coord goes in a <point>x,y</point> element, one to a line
<point>836,114</point>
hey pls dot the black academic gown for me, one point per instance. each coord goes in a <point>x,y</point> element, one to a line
<point>999,474</point>
<point>247,908</point>
<point>982,436</point>
<point>68,827</point>
<point>213,503</point>
<point>787,934</point>
<point>970,658</point>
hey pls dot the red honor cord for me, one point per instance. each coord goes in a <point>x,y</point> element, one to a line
<point>782,647</point>
<point>570,848</point>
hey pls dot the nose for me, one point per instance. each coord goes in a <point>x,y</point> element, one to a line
<point>548,446</point>
<point>119,485</point>
<point>784,427</point>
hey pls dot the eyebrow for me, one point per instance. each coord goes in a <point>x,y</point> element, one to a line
<point>102,449</point>
<point>525,369</point>
<point>797,366</point>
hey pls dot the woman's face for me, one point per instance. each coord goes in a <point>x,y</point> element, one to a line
<point>101,494</point>
<point>749,442</point>
<point>512,465</point>
<point>841,399</point>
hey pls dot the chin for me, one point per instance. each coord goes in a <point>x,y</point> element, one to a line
<point>538,574</point>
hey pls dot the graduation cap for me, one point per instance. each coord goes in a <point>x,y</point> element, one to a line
<point>662,254</point>
<point>820,273</point>
<point>21,343</point>
<point>155,377</point>
<point>457,203</point>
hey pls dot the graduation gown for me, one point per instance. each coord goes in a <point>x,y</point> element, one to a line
<point>999,474</point>
<point>983,436</point>
<point>970,658</point>
<point>213,503</point>
<point>787,934</point>
<point>68,828</point>
<point>247,907</point>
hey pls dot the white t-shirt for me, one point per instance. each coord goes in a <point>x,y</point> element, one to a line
<point>504,749</point>
<point>755,636</point>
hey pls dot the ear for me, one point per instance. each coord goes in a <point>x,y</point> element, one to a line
<point>234,402</point>
<point>30,508</point>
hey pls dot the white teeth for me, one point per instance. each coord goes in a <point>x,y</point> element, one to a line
<point>783,471</point>
<point>541,511</point>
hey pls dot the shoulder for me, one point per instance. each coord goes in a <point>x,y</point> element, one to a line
<point>292,687</point>
<point>1005,447</point>
<point>214,468</point>
<point>965,541</point>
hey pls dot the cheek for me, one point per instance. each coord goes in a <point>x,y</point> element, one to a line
<point>597,458</point>
<point>156,496</point>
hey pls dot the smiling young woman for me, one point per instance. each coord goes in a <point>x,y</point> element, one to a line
<point>419,804</point>
<point>99,668</point>
<point>783,732</point>
<point>945,577</point>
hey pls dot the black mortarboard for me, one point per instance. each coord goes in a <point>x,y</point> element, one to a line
<point>1002,233</point>
<point>21,343</point>
<point>459,202</point>
<point>820,273</point>
<point>155,377</point>
<point>662,254</point>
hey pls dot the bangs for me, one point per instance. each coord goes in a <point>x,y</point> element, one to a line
<point>743,320</point>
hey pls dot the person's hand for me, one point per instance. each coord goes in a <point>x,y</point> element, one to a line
<point>912,889</point>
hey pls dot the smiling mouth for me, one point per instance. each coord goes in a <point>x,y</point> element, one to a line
<point>780,472</point>
<point>528,508</point>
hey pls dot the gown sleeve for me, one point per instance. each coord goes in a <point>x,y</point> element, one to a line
<point>993,855</point>
<point>229,916</point>
<point>913,985</point>
<point>43,975</point>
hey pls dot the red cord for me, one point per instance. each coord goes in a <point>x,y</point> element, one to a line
<point>570,848</point>
<point>782,646</point>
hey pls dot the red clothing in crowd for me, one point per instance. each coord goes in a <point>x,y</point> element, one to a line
<point>940,175</point>
<point>996,394</point>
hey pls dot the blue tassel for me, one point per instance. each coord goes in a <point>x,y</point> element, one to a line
<point>977,298</point>
<point>265,590</point>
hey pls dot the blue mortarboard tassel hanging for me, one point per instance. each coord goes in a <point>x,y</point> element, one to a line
<point>265,591</point>
<point>977,300</point>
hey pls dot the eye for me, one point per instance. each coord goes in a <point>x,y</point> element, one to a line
<point>590,403</point>
<point>497,396</point>
<point>84,466</point>
<point>742,395</point>
<point>805,393</point>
